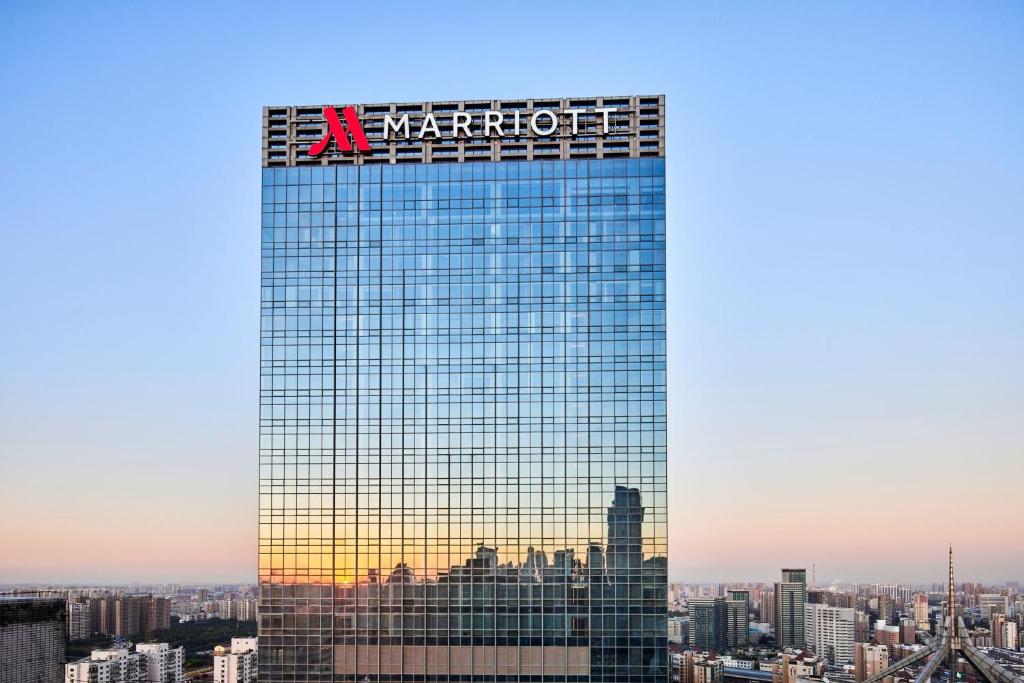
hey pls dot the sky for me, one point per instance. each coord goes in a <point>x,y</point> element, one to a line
<point>845,238</point>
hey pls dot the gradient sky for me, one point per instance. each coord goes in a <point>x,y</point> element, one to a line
<point>846,286</point>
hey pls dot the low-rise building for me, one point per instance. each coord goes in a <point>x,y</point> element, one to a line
<point>150,663</point>
<point>115,665</point>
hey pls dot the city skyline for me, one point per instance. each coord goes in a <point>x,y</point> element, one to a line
<point>842,257</point>
<point>823,582</point>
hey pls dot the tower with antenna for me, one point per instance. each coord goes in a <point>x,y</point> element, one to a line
<point>950,643</point>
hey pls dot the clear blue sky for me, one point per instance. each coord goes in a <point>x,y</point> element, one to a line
<point>846,191</point>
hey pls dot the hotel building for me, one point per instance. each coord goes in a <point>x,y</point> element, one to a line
<point>462,403</point>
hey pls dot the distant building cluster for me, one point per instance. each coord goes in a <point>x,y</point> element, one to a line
<point>225,602</point>
<point>853,631</point>
<point>116,614</point>
<point>709,667</point>
<point>240,608</point>
<point>848,633</point>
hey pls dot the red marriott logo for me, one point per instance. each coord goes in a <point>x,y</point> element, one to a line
<point>341,132</point>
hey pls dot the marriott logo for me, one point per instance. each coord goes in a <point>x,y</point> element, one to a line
<point>346,129</point>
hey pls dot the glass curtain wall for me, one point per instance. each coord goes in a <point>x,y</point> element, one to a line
<point>462,422</point>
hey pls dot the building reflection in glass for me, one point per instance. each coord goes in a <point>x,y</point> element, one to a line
<point>462,453</point>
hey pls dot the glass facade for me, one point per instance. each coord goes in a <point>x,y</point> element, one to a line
<point>462,422</point>
<point>33,631</point>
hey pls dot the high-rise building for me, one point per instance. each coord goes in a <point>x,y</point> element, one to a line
<point>767,609</point>
<point>708,624</point>
<point>920,611</point>
<point>462,432</point>
<point>246,609</point>
<point>869,660</point>
<point>829,631</point>
<point>129,615</point>
<point>237,664</point>
<point>790,597</point>
<point>105,614</point>
<point>164,664</point>
<point>862,627</point>
<point>992,603</point>
<point>737,608</point>
<point>997,629</point>
<point>908,631</point>
<point>1008,635</point>
<point>887,634</point>
<point>80,622</point>
<point>158,614</point>
<point>686,666</point>
<point>32,636</point>
<point>884,608</point>
<point>677,630</point>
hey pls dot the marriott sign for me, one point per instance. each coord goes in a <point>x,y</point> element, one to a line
<point>346,128</point>
<point>461,131</point>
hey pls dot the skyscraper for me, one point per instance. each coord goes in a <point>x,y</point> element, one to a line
<point>32,637</point>
<point>462,431</point>
<point>790,596</point>
<point>708,623</point>
<point>737,607</point>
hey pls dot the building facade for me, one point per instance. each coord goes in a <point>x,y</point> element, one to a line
<point>32,638</point>
<point>462,430</point>
<point>830,632</point>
